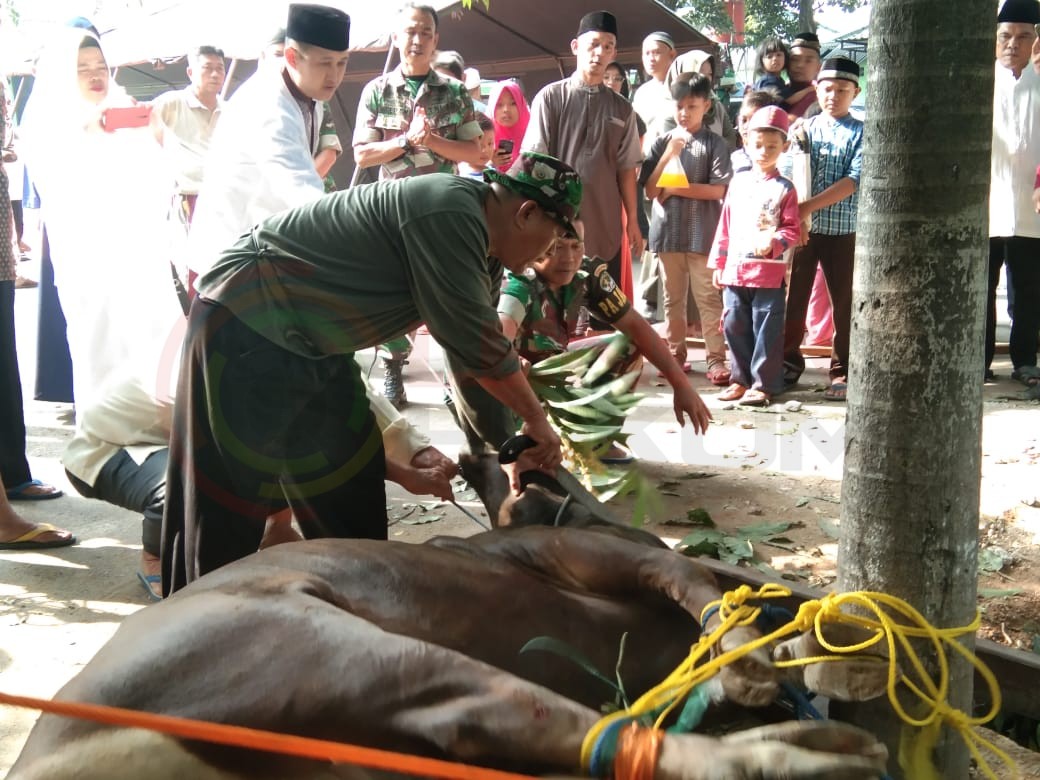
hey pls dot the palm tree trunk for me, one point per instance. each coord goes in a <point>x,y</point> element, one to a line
<point>910,495</point>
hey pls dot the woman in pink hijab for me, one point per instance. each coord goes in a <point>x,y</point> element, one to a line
<point>510,113</point>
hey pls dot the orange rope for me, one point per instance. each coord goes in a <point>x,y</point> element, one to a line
<point>637,752</point>
<point>257,739</point>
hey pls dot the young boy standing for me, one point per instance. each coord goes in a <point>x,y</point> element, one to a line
<point>835,141</point>
<point>684,218</point>
<point>760,223</point>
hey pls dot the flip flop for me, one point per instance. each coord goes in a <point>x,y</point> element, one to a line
<point>147,581</point>
<point>27,541</point>
<point>622,459</point>
<point>836,392</point>
<point>18,492</point>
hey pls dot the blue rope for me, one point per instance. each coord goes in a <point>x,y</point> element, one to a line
<point>601,764</point>
<point>798,701</point>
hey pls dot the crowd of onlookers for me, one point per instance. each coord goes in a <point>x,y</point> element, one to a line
<point>745,229</point>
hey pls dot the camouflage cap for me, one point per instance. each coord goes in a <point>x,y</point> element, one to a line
<point>552,184</point>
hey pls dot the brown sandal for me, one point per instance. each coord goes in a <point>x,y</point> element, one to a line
<point>732,393</point>
<point>719,375</point>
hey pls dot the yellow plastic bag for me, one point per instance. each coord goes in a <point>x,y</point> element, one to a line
<point>673,175</point>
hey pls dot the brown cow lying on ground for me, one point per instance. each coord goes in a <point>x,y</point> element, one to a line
<point>415,648</point>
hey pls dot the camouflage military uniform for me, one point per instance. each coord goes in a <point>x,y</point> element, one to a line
<point>386,109</point>
<point>387,106</point>
<point>547,320</point>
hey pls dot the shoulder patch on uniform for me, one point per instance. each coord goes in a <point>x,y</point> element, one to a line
<point>606,283</point>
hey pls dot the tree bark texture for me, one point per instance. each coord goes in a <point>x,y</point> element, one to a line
<point>910,494</point>
<point>806,19</point>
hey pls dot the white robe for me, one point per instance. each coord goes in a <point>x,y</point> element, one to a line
<point>105,200</point>
<point>1016,153</point>
<point>260,162</point>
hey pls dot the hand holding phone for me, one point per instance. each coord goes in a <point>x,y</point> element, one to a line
<point>118,118</point>
<point>505,146</point>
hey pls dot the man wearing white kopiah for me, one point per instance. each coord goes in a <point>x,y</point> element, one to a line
<point>261,161</point>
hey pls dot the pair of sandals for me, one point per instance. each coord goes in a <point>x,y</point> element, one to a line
<point>745,396</point>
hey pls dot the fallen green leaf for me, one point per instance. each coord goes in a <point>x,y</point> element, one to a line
<point>829,527</point>
<point>803,501</point>
<point>764,530</point>
<point>422,518</point>
<point>990,561</point>
<point>998,593</point>
<point>700,516</point>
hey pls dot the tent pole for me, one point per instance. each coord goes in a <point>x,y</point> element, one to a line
<point>227,79</point>
<point>386,69</point>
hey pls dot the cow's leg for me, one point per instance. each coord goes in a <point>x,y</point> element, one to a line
<point>278,655</point>
<point>485,476</point>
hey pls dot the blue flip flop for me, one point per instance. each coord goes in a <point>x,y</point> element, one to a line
<point>17,493</point>
<point>147,581</point>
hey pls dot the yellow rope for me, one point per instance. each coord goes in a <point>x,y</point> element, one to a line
<point>893,622</point>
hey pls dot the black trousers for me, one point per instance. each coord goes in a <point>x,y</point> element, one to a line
<point>139,488</point>
<point>14,468</point>
<point>256,428</point>
<point>1022,256</point>
<point>836,255</point>
<point>53,359</point>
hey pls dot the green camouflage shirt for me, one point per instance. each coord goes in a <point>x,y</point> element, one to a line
<point>386,108</point>
<point>546,319</point>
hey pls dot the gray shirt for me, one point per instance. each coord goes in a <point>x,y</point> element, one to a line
<point>592,129</point>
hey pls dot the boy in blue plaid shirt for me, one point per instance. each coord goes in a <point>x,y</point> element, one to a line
<point>835,146</point>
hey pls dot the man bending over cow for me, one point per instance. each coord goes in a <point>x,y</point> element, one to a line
<point>269,400</point>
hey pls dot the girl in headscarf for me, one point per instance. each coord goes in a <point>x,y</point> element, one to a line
<point>105,195</point>
<point>510,113</point>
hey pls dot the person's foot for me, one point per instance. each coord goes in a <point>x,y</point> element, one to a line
<point>732,393</point>
<point>24,283</point>
<point>149,572</point>
<point>23,247</point>
<point>17,533</point>
<point>719,375</point>
<point>616,456</point>
<point>393,382</point>
<point>33,490</point>
<point>837,391</point>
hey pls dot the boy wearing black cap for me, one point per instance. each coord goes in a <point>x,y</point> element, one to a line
<point>835,141</point>
<point>586,124</point>
<point>803,65</point>
<point>1014,225</point>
